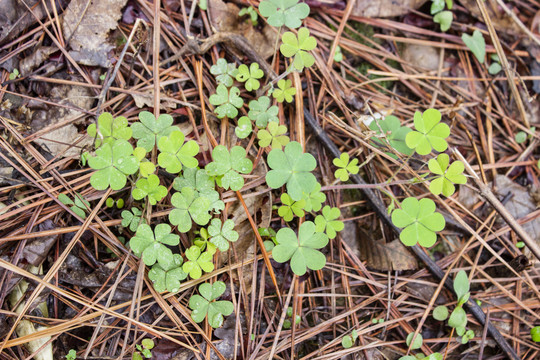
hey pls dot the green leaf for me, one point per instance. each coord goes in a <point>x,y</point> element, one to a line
<point>244,128</point>
<point>132,218</point>
<point>535,334</point>
<point>194,178</point>
<point>440,313</point>
<point>262,113</point>
<point>476,44</point>
<point>251,12</point>
<point>229,166</point>
<point>189,205</point>
<point>174,153</point>
<point>419,220</point>
<point>149,187</point>
<point>290,208</point>
<point>113,162</point>
<point>250,76</point>
<point>418,340</point>
<point>224,72</point>
<point>521,137</point>
<point>461,284</point>
<point>338,54</point>
<point>205,306</point>
<point>444,18</point>
<point>220,236</point>
<point>494,68</point>
<point>150,245</point>
<point>431,133</point>
<point>228,101</point>
<point>80,206</point>
<point>148,344</point>
<point>273,136</point>
<point>301,251</point>
<point>314,199</point>
<point>284,92</point>
<point>345,167</point>
<point>436,6</point>
<point>292,167</point>
<point>394,132</point>
<point>447,176</point>
<point>197,262</point>
<point>298,48</point>
<point>168,278</point>
<point>434,356</point>
<point>109,129</point>
<point>284,12</point>
<point>146,168</point>
<point>458,318</point>
<point>347,342</point>
<point>327,222</point>
<point>149,130</point>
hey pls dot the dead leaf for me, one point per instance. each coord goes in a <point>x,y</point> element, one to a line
<point>385,8</point>
<point>383,257</point>
<point>501,21</point>
<point>15,17</point>
<point>31,62</point>
<point>86,24</point>
<point>147,100</point>
<point>36,251</point>
<point>225,18</point>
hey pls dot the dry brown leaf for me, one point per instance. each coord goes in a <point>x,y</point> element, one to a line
<point>86,25</point>
<point>501,21</point>
<point>385,8</point>
<point>384,257</point>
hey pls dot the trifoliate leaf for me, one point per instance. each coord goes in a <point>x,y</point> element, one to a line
<point>262,113</point>
<point>314,199</point>
<point>174,153</point>
<point>448,176</point>
<point>284,92</point>
<point>132,218</point>
<point>431,133</point>
<point>113,162</point>
<point>298,48</point>
<point>327,222</point>
<point>227,101</point>
<point>150,245</point>
<point>229,165</point>
<point>149,187</point>
<point>345,167</point>
<point>205,306</point>
<point>250,76</point>
<point>197,262</point>
<point>394,132</point>
<point>149,130</point>
<point>109,129</point>
<point>290,208</point>
<point>221,235</point>
<point>273,136</point>
<point>168,278</point>
<point>284,12</point>
<point>189,205</point>
<point>224,72</point>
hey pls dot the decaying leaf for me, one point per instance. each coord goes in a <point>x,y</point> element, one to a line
<point>147,100</point>
<point>383,257</point>
<point>15,17</point>
<point>385,8</point>
<point>86,25</point>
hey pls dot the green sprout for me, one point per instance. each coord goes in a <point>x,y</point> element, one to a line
<point>345,167</point>
<point>229,166</point>
<point>298,48</point>
<point>284,92</point>
<point>535,334</point>
<point>189,205</point>
<point>113,162</point>
<point>495,66</point>
<point>394,132</point>
<point>227,101</point>
<point>469,334</point>
<point>78,205</point>
<point>71,355</point>
<point>253,16</point>
<point>273,136</point>
<point>268,233</point>
<point>224,72</point>
<point>327,222</point>
<point>144,349</point>
<point>314,199</point>
<point>447,175</point>
<point>109,129</point>
<point>14,74</point>
<point>175,154</point>
<point>149,130</point>
<point>419,220</point>
<point>250,76</point>
<point>151,245</point>
<point>458,317</point>
<point>290,208</point>
<point>302,250</point>
<point>476,44</point>
<point>168,278</point>
<point>440,313</point>
<point>220,236</point>
<point>244,128</point>
<point>431,133</point>
<point>444,19</point>
<point>197,262</point>
<point>149,187</point>
<point>131,219</point>
<point>348,340</point>
<point>417,343</point>
<point>284,12</point>
<point>338,54</point>
<point>291,167</point>
<point>262,113</point>
<point>205,306</point>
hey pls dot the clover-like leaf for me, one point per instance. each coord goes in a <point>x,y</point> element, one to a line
<point>205,306</point>
<point>132,218</point>
<point>189,205</point>
<point>476,44</point>
<point>345,167</point>
<point>150,245</point>
<point>285,91</point>
<point>273,136</point>
<point>292,167</point>
<point>168,278</point>
<point>113,162</point>
<point>262,113</point>
<point>174,153</point>
<point>448,175</point>
<point>221,235</point>
<point>228,101</point>
<point>194,178</point>
<point>419,220</point>
<point>253,15</point>
<point>78,205</point>
<point>301,250</point>
<point>314,199</point>
<point>290,208</point>
<point>197,262</point>
<point>250,76</point>
<point>203,242</point>
<point>109,129</point>
<point>431,133</point>
<point>298,48</point>
<point>229,166</point>
<point>244,128</point>
<point>148,130</point>
<point>327,222</point>
<point>394,132</point>
<point>224,72</point>
<point>149,187</point>
<point>284,12</point>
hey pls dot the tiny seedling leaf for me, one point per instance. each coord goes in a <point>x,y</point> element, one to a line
<point>285,91</point>
<point>447,175</point>
<point>149,187</point>
<point>262,113</point>
<point>298,47</point>
<point>273,136</point>
<point>290,208</point>
<point>430,133</point>
<point>345,167</point>
<point>327,222</point>
<point>440,313</point>
<point>250,76</point>
<point>476,44</point>
<point>417,343</point>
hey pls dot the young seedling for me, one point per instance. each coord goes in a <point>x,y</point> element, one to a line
<point>440,313</point>
<point>220,236</point>
<point>250,76</point>
<point>203,242</point>
<point>244,128</point>
<point>175,154</point>
<point>447,175</point>
<point>345,167</point>
<point>327,222</point>
<point>419,220</point>
<point>205,306</point>
<point>302,250</point>
<point>284,92</point>
<point>251,12</point>
<point>417,343</point>
<point>298,47</point>
<point>224,72</point>
<point>227,101</point>
<point>273,136</point>
<point>284,12</point>
<point>262,113</point>
<point>348,340</point>
<point>131,219</point>
<point>197,262</point>
<point>290,208</point>
<point>78,205</point>
<point>535,334</point>
<point>149,187</point>
<point>148,130</point>
<point>476,44</point>
<point>229,166</point>
<point>430,132</point>
<point>114,163</point>
<point>271,234</point>
<point>143,350</point>
<point>71,355</point>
